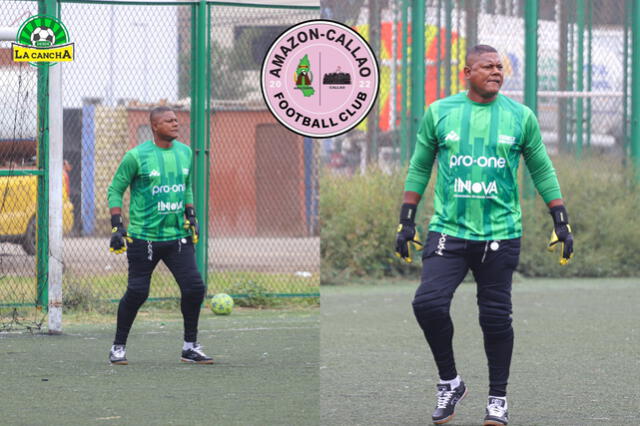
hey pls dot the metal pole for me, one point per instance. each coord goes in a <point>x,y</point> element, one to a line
<point>570,117</point>
<point>54,299</point>
<point>471,22</point>
<point>417,67</point>
<point>42,216</point>
<point>404,122</point>
<point>55,199</point>
<point>394,66</point>
<point>447,59</point>
<point>589,70</point>
<point>439,51</point>
<point>625,80</point>
<point>635,89</point>
<point>374,114</point>
<point>561,123</point>
<point>580,77</point>
<point>530,74</point>
<point>199,126</point>
<point>110,98</point>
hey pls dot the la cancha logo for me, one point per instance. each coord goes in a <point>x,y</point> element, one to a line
<point>42,41</point>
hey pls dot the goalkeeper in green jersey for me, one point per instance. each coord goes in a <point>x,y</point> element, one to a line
<point>162,226</point>
<point>477,138</point>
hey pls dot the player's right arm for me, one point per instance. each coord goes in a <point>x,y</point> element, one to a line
<point>417,179</point>
<point>123,177</point>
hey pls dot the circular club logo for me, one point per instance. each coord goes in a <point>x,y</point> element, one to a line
<point>320,78</point>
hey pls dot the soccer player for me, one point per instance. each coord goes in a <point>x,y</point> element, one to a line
<point>159,173</point>
<point>477,137</point>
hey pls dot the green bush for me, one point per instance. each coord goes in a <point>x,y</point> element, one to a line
<point>359,214</point>
<point>78,296</point>
<point>603,205</point>
<point>358,219</point>
<point>250,294</point>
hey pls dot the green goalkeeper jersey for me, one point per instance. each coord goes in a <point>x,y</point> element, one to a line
<point>478,148</point>
<point>160,181</point>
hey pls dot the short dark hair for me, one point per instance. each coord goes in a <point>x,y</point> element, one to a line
<point>157,111</point>
<point>479,49</point>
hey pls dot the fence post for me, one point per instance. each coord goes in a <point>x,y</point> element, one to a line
<point>449,48</point>
<point>530,74</point>
<point>579,77</point>
<point>54,299</point>
<point>45,7</point>
<point>635,90</point>
<point>405,152</point>
<point>200,125</point>
<point>417,67</point>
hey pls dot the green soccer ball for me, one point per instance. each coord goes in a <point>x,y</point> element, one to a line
<point>221,304</point>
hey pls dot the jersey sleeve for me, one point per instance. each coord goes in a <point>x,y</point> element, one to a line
<point>127,170</point>
<point>423,156</point>
<point>188,192</point>
<point>538,161</point>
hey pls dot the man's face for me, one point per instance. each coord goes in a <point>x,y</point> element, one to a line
<point>166,125</point>
<point>484,73</point>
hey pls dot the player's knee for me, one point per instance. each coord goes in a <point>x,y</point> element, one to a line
<point>194,293</point>
<point>496,326</point>
<point>429,306</point>
<point>135,298</point>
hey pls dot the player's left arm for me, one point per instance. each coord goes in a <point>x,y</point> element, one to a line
<point>190,222</point>
<point>546,183</point>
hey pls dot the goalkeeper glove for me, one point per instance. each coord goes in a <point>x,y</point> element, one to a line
<point>561,234</point>
<point>406,234</point>
<point>191,223</point>
<point>119,238</point>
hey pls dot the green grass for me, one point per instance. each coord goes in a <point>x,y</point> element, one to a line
<point>575,359</point>
<point>106,287</point>
<point>266,372</point>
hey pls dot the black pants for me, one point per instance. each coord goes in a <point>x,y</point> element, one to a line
<point>446,261</point>
<point>179,256</point>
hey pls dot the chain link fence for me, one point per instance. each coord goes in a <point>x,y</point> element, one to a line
<point>18,165</point>
<point>263,236</point>
<point>264,179</point>
<point>584,56</point>
<point>583,96</point>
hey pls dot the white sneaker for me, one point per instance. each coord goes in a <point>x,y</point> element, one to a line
<point>118,355</point>
<point>497,413</point>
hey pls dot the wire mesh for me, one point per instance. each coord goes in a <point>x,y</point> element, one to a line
<point>376,139</point>
<point>18,134</point>
<point>583,56</point>
<point>127,62</point>
<point>263,180</point>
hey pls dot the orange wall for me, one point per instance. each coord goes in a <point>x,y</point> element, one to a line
<point>232,189</point>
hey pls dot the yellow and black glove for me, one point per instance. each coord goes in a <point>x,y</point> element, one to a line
<point>119,238</point>
<point>407,236</point>
<point>191,223</point>
<point>561,234</point>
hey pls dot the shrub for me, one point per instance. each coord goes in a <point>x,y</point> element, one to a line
<point>250,294</point>
<point>77,296</point>
<point>359,214</point>
<point>358,218</point>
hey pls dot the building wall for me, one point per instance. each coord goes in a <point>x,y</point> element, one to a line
<point>235,206</point>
